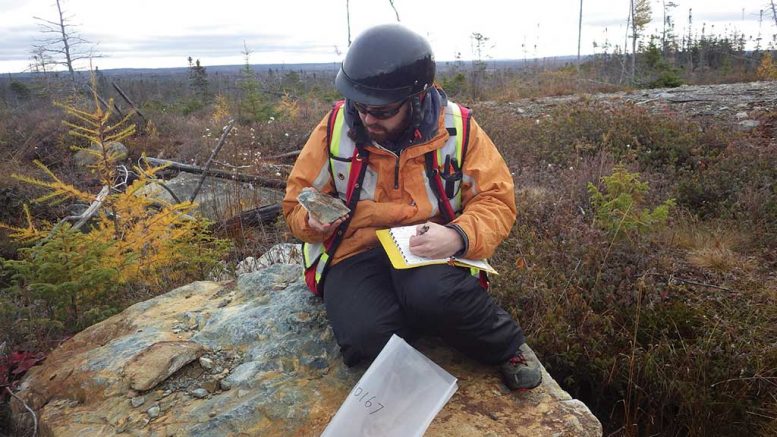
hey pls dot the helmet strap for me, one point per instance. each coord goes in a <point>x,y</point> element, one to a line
<point>416,116</point>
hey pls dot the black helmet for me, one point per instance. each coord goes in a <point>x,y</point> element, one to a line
<point>386,64</point>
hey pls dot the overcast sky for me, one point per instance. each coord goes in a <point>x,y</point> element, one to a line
<point>163,33</point>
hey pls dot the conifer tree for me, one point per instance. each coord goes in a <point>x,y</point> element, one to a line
<point>198,81</point>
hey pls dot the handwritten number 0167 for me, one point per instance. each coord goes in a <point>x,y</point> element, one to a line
<point>361,394</point>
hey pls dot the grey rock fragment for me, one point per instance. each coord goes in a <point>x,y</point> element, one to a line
<point>137,401</point>
<point>206,363</point>
<point>199,393</point>
<point>153,412</point>
<point>748,125</point>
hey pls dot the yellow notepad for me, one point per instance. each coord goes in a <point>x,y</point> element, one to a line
<point>396,243</point>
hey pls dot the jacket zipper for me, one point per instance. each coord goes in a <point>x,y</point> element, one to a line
<point>396,163</point>
<point>396,173</point>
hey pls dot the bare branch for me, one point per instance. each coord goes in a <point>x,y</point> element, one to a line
<point>92,210</point>
<point>348,19</point>
<point>27,407</point>
<point>774,12</point>
<point>68,46</point>
<point>82,218</point>
<point>215,152</point>
<point>46,21</point>
<point>127,99</point>
<point>395,10</point>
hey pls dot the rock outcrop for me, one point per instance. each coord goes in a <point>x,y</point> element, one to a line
<point>253,357</point>
<point>735,104</point>
<point>217,198</point>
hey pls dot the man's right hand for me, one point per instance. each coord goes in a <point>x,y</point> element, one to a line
<point>325,228</point>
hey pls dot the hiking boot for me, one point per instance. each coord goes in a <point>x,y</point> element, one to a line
<point>522,371</point>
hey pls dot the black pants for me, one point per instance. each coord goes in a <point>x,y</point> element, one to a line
<point>367,301</point>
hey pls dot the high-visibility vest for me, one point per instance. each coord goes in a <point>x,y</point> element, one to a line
<point>348,165</point>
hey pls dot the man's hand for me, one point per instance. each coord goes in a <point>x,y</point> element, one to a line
<point>436,241</point>
<point>325,228</point>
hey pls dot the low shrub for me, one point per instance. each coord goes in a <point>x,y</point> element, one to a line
<point>657,142</point>
<point>649,342</point>
<point>619,208</point>
<point>670,331</point>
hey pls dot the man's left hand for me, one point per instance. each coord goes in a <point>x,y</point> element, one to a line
<point>436,242</point>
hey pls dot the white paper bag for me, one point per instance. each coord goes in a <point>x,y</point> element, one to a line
<point>399,395</point>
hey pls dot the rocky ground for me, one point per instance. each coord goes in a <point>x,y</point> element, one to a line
<point>251,357</point>
<point>737,102</point>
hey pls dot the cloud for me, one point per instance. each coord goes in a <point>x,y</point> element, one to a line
<point>204,45</point>
<point>604,22</point>
<point>727,17</point>
<point>17,42</point>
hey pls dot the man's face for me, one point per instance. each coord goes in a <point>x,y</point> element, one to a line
<point>384,122</point>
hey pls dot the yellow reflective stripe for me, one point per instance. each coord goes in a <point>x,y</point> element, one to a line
<point>337,131</point>
<point>459,150</point>
<point>459,125</point>
<point>322,262</point>
<point>310,252</point>
<point>455,147</point>
<point>334,145</point>
<point>306,254</point>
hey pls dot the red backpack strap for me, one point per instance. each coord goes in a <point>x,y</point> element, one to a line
<point>330,122</point>
<point>435,183</point>
<point>433,166</point>
<point>355,179</point>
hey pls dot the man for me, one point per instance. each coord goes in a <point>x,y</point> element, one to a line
<point>400,154</point>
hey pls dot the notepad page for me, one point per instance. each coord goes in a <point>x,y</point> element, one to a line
<point>402,236</point>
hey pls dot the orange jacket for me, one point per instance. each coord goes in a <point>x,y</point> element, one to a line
<point>487,193</point>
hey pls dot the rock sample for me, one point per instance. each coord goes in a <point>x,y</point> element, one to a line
<point>322,207</point>
<point>251,357</point>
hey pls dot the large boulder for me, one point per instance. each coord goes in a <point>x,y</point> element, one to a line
<point>93,154</point>
<point>251,357</point>
<point>217,199</point>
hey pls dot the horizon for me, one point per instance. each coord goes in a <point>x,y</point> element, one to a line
<point>164,35</point>
<point>320,66</point>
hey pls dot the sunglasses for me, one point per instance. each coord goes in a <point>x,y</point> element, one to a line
<point>380,112</point>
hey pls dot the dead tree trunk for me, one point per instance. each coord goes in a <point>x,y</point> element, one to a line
<point>65,43</point>
<point>774,12</point>
<point>265,182</point>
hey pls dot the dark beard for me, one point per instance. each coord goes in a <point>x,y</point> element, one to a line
<point>382,135</point>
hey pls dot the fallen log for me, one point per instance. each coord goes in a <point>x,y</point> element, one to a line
<point>253,217</point>
<point>127,99</point>
<point>293,154</point>
<point>263,181</point>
